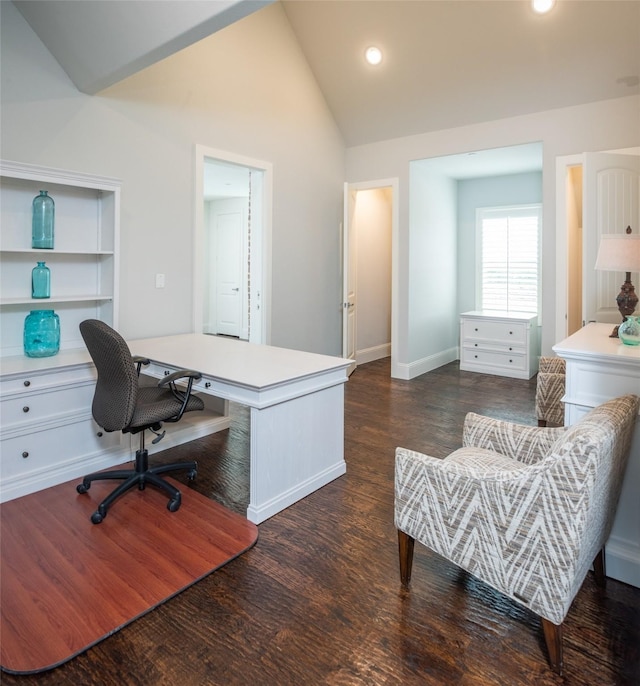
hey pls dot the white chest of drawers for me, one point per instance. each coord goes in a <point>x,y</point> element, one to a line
<point>47,433</point>
<point>501,343</point>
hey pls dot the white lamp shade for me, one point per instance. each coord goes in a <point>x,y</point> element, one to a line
<point>619,253</point>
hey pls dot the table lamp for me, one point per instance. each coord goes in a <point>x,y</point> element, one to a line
<point>621,253</point>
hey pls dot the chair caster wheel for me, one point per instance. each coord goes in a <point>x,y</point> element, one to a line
<point>96,517</point>
<point>82,488</point>
<point>192,474</point>
<point>173,505</point>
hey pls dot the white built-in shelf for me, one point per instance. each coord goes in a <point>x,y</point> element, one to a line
<point>83,262</point>
<point>44,303</point>
<point>40,253</point>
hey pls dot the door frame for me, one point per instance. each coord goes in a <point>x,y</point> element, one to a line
<point>394,184</point>
<point>260,256</point>
<point>562,164</point>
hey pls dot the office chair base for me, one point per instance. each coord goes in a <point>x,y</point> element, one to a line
<point>140,477</point>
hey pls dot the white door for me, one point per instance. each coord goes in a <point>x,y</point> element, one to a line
<point>610,204</point>
<point>228,228</point>
<point>349,278</point>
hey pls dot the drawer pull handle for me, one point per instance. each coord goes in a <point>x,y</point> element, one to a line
<point>510,333</point>
<point>475,329</point>
<point>25,408</point>
<point>99,434</point>
<point>25,454</point>
<point>475,345</point>
<point>510,361</point>
<point>476,357</point>
<point>207,384</point>
<point>27,383</point>
<point>510,349</point>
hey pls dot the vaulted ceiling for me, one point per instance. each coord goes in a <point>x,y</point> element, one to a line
<point>445,63</point>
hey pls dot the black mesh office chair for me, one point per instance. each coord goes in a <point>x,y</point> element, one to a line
<point>120,403</point>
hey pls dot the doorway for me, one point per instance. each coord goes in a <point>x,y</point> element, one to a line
<point>596,193</point>
<point>370,230</point>
<point>232,265</point>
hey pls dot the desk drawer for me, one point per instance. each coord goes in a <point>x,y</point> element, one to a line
<point>45,381</point>
<point>37,407</point>
<point>44,449</point>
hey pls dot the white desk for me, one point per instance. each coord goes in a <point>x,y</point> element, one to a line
<point>297,409</point>
<point>600,368</point>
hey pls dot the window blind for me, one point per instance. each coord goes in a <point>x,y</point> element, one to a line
<point>510,258</point>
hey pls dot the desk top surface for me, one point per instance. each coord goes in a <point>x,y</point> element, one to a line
<point>238,362</point>
<point>593,341</point>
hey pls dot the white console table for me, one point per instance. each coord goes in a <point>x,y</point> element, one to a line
<point>296,402</point>
<point>600,368</point>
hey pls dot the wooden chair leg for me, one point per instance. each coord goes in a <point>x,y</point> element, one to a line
<point>405,550</point>
<point>542,422</point>
<point>600,570</point>
<point>553,639</point>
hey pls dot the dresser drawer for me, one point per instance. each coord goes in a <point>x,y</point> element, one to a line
<point>43,406</point>
<point>504,332</point>
<point>490,358</point>
<point>43,449</point>
<point>496,346</point>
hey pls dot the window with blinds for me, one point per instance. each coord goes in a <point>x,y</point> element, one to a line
<point>509,254</point>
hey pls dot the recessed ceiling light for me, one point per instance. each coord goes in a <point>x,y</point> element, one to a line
<point>373,55</point>
<point>542,6</point>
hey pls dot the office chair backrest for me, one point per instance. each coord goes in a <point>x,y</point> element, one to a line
<point>116,393</point>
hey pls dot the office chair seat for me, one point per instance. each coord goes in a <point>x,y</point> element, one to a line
<point>156,404</point>
<point>121,402</point>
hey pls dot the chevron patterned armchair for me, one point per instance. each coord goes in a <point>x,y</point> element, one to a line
<point>525,509</point>
<point>550,384</point>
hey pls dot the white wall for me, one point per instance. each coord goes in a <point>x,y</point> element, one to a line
<point>248,90</point>
<point>432,272</point>
<point>605,125</point>
<point>490,191</point>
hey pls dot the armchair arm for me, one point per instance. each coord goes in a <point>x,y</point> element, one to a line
<point>527,444</point>
<point>182,396</point>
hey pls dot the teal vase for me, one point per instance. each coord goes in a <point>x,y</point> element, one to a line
<point>41,333</point>
<point>40,281</point>
<point>42,222</point>
<point>629,331</point>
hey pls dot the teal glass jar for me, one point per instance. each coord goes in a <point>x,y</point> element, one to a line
<point>42,221</point>
<point>40,281</point>
<point>41,333</point>
<point>629,331</point>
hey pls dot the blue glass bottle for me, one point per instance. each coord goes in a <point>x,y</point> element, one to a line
<point>40,281</point>
<point>41,333</point>
<point>42,223</point>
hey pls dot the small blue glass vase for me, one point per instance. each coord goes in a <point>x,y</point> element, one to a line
<point>41,333</point>
<point>40,281</point>
<point>42,222</point>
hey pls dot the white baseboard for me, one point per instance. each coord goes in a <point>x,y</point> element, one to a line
<point>426,364</point>
<point>623,561</point>
<point>373,354</point>
<point>258,513</point>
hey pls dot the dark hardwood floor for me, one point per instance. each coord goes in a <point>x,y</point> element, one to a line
<point>318,599</point>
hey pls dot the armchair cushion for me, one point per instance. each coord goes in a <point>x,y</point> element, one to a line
<point>527,444</point>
